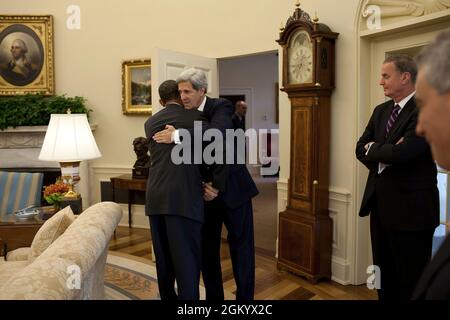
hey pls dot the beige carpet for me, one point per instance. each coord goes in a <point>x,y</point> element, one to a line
<point>129,277</point>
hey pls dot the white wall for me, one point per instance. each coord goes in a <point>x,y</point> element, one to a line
<point>259,73</point>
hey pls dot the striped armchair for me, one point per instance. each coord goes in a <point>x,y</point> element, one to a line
<point>19,190</point>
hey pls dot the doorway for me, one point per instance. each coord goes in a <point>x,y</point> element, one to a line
<point>253,79</point>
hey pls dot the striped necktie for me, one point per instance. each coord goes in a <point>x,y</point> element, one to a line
<point>392,118</point>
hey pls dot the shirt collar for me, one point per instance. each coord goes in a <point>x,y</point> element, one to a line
<point>403,102</point>
<point>202,105</point>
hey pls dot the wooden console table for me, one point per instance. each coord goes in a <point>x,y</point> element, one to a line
<point>126,182</point>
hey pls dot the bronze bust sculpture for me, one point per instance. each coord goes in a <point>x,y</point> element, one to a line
<point>140,168</point>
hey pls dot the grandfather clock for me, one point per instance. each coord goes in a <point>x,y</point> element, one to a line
<point>305,228</point>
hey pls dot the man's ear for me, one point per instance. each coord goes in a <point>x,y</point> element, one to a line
<point>162,102</point>
<point>406,77</point>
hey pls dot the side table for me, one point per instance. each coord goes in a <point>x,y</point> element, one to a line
<point>126,182</point>
<point>17,233</point>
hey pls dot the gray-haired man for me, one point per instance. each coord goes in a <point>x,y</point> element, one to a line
<point>232,207</point>
<point>433,99</point>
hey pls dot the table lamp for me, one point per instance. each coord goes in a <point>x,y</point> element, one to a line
<point>69,140</point>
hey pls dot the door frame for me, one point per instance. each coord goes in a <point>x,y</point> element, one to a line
<point>248,93</point>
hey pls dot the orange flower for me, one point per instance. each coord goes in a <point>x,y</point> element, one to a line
<point>55,192</point>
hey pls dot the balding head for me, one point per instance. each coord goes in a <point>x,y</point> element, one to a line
<point>241,108</point>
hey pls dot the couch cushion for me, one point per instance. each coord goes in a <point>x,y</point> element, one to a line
<point>44,279</point>
<point>20,254</point>
<point>50,231</point>
<point>9,269</point>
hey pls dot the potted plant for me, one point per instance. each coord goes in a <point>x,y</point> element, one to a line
<point>35,110</point>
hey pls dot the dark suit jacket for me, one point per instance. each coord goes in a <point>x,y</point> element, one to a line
<point>172,189</point>
<point>406,192</point>
<point>434,283</point>
<point>240,186</point>
<point>238,123</point>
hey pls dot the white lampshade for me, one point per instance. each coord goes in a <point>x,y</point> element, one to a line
<point>69,138</point>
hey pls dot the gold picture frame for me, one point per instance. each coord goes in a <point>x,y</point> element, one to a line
<point>26,55</point>
<point>136,87</point>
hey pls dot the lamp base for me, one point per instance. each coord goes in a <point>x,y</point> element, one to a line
<point>76,204</point>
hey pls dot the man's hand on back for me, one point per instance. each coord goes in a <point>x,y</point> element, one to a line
<point>209,192</point>
<point>164,136</point>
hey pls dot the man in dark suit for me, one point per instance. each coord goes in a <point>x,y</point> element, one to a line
<point>174,202</point>
<point>238,118</point>
<point>401,193</point>
<point>233,207</point>
<point>433,99</point>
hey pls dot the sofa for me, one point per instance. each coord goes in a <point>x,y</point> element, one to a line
<point>66,259</point>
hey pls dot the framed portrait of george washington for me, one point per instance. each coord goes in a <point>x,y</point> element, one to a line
<point>26,55</point>
<point>136,87</point>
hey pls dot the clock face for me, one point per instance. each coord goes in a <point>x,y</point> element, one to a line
<point>300,58</point>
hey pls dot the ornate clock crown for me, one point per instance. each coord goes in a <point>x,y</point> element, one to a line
<point>302,17</point>
<point>299,15</point>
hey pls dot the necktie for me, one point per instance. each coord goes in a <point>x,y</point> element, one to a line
<point>392,118</point>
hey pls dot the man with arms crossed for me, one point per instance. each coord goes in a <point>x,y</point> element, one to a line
<point>401,193</point>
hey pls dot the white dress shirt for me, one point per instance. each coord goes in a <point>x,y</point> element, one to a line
<point>175,137</point>
<point>402,104</point>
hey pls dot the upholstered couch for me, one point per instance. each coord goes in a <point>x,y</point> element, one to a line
<point>66,259</point>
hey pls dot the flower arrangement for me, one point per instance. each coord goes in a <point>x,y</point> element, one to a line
<point>54,193</point>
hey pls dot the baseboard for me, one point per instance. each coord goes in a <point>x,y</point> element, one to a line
<point>340,271</point>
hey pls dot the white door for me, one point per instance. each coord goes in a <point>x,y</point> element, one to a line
<point>167,64</point>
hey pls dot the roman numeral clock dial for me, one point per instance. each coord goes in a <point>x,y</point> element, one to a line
<point>300,59</point>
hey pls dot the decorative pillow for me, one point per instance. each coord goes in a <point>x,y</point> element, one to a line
<point>20,254</point>
<point>50,231</point>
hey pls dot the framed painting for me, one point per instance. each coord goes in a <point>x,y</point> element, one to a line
<point>136,87</point>
<point>26,55</point>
